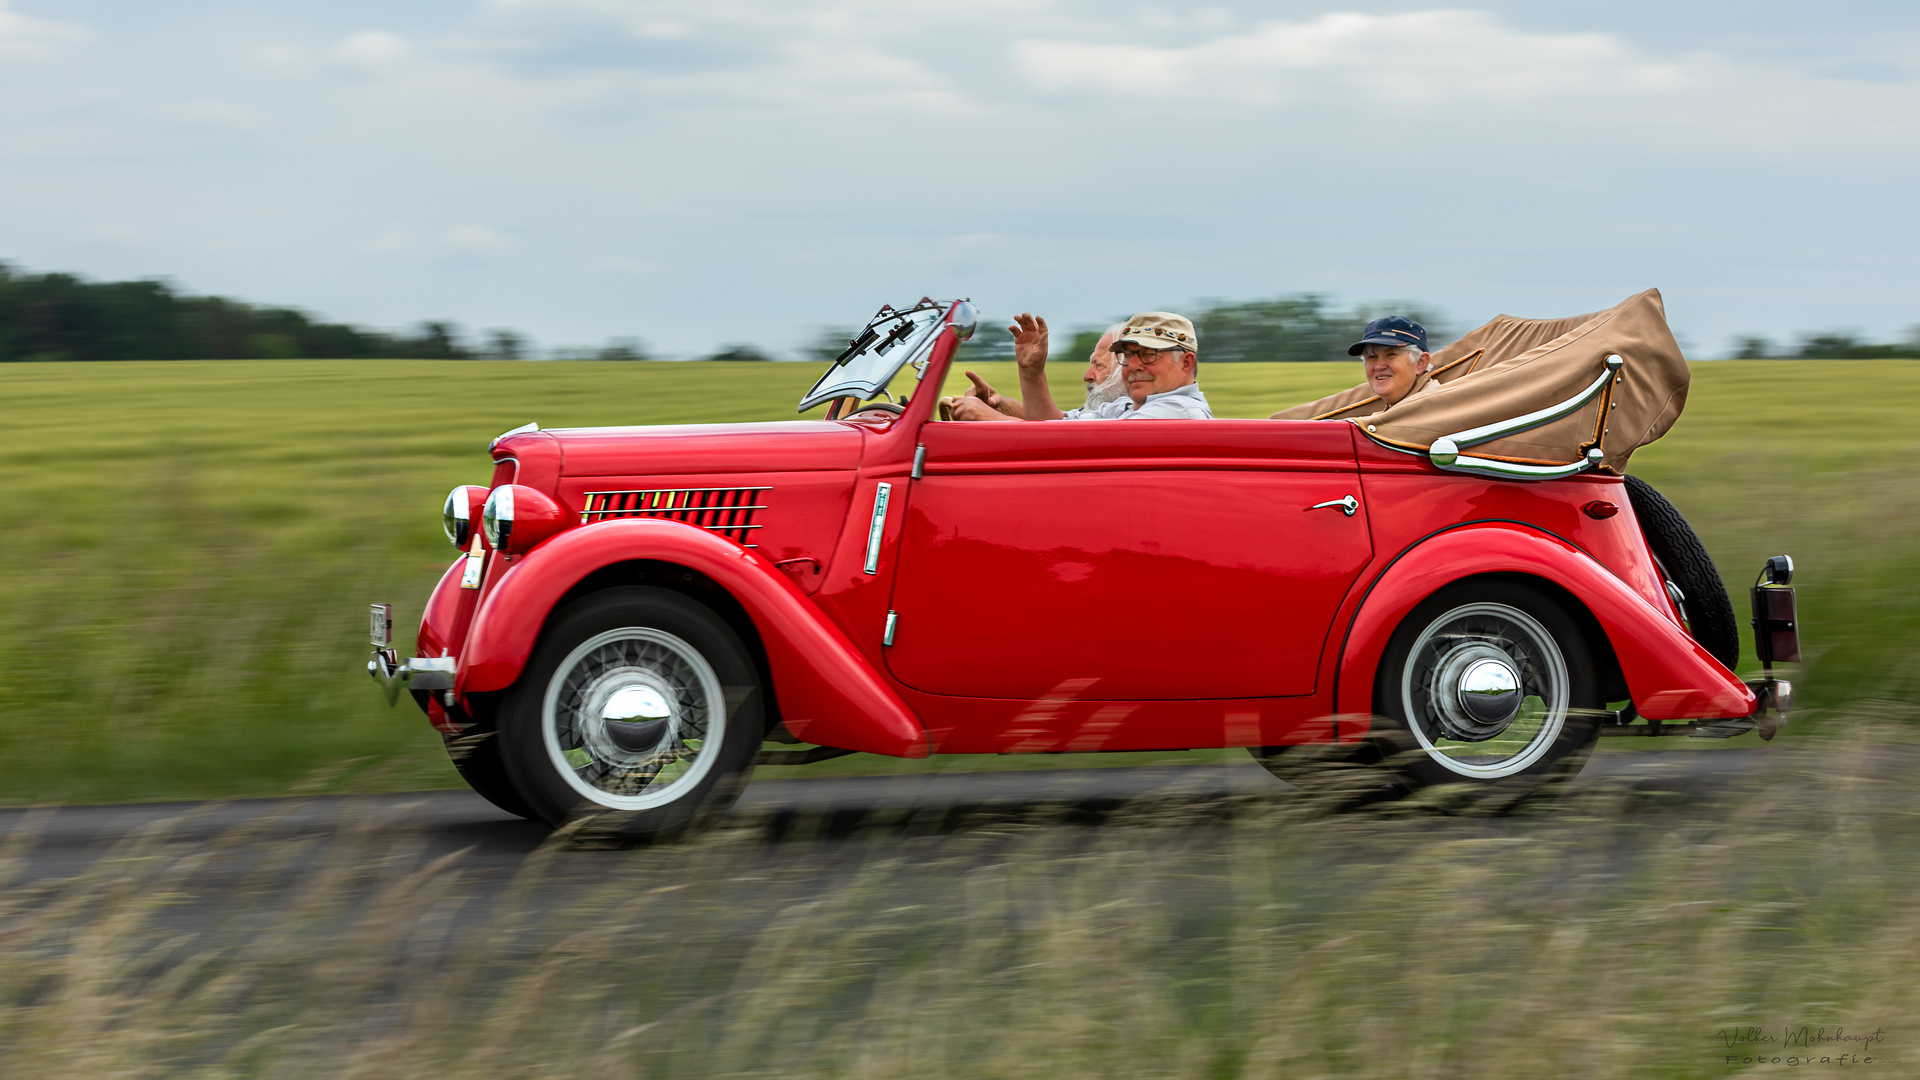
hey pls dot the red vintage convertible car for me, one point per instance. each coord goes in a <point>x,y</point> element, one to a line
<point>636,611</point>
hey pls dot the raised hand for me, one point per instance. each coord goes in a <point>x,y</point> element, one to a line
<point>1029,342</point>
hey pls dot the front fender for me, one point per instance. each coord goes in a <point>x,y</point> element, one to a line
<point>1669,675</point>
<point>826,692</point>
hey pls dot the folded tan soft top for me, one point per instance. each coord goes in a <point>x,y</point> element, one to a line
<point>1511,367</point>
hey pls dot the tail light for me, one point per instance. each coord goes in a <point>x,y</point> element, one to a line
<point>1776,623</point>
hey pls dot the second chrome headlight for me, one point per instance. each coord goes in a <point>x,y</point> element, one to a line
<point>516,518</point>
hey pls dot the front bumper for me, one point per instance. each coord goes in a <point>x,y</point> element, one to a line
<point>419,673</point>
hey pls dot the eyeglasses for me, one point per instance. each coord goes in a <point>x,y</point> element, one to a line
<point>1144,357</point>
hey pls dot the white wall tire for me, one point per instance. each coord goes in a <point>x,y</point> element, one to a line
<point>640,707</point>
<point>1488,681</point>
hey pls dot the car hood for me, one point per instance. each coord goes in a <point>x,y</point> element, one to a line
<point>795,445</point>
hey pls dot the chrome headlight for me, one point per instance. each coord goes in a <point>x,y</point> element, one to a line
<point>457,516</point>
<point>516,518</point>
<point>496,517</point>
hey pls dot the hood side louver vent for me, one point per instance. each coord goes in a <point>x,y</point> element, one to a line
<point>727,511</point>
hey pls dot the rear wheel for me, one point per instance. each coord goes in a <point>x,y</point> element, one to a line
<point>640,708</point>
<point>1684,561</point>
<point>1489,682</point>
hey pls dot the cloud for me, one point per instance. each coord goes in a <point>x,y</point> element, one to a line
<point>370,51</point>
<point>475,238</point>
<point>25,37</point>
<point>1415,57</point>
<point>848,57</point>
<point>453,240</point>
<point>604,161</point>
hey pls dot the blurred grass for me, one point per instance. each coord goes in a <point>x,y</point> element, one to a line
<point>194,543</point>
<point>1617,931</point>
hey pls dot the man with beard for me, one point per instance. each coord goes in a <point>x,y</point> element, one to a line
<point>1102,378</point>
<point>1157,357</point>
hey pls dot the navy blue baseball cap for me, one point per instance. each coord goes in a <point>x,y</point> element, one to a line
<point>1391,330</point>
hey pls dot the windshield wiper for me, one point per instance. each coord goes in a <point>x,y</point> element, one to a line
<point>871,334</point>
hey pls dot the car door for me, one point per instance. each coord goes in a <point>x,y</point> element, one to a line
<point>1130,560</point>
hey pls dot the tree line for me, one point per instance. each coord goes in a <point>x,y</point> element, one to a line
<point>64,317</point>
<point>1827,347</point>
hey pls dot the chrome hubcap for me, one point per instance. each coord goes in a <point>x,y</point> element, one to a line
<point>1485,690</point>
<point>633,717</point>
<point>1479,692</point>
<point>637,718</point>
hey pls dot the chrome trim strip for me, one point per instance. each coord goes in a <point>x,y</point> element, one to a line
<point>919,460</point>
<point>880,495</point>
<point>1504,470</point>
<point>521,430</point>
<point>892,621</point>
<point>1502,429</point>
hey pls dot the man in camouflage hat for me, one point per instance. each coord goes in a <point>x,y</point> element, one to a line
<point>1158,353</point>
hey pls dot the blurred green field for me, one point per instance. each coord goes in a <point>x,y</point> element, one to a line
<point>196,542</point>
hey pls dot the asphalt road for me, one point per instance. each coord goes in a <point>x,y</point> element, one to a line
<point>65,842</point>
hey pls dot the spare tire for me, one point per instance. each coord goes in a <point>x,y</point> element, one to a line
<point>1684,561</point>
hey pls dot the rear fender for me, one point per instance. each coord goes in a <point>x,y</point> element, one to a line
<point>827,693</point>
<point>1668,674</point>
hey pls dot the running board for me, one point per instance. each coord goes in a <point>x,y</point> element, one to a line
<point>1699,729</point>
<point>801,757</point>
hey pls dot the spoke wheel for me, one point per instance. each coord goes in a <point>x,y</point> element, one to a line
<point>632,717</point>
<point>1488,681</point>
<point>639,707</point>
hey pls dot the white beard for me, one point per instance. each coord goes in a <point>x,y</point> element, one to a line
<point>1112,388</point>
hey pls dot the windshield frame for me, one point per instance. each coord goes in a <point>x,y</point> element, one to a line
<point>892,339</point>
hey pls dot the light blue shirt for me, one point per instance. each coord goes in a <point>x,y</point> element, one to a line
<point>1180,403</point>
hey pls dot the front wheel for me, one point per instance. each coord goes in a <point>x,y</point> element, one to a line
<point>1489,682</point>
<point>476,754</point>
<point>639,707</point>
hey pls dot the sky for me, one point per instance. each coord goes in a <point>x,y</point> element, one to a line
<point>704,173</point>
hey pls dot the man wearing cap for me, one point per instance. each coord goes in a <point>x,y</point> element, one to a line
<point>1159,359</point>
<point>1102,378</point>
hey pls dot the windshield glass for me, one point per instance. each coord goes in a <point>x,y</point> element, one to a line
<point>890,340</point>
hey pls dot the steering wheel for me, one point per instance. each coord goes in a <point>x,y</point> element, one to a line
<point>875,411</point>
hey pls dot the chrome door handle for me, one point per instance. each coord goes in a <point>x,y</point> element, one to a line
<point>1347,504</point>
